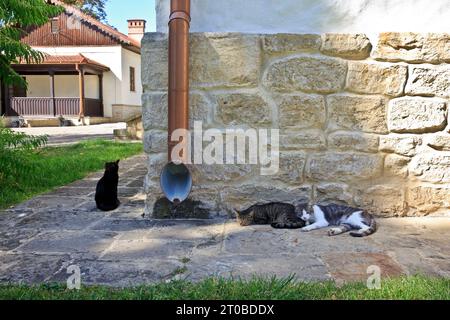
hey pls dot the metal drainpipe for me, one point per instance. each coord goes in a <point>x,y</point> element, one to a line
<point>176,180</point>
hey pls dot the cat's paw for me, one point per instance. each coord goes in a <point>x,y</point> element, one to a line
<point>333,231</point>
<point>305,229</point>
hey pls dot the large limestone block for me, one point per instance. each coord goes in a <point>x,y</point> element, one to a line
<point>345,140</point>
<point>154,112</point>
<point>216,60</point>
<point>413,47</point>
<point>290,43</point>
<point>362,113</point>
<point>291,167</point>
<point>242,109</point>
<point>203,173</point>
<point>347,46</point>
<point>400,144</point>
<point>155,141</point>
<point>438,142</point>
<point>301,111</point>
<point>429,81</point>
<point>431,167</point>
<point>306,73</point>
<point>344,166</point>
<point>224,60</point>
<point>154,51</point>
<point>428,199</point>
<point>382,200</point>
<point>312,139</point>
<point>208,198</point>
<point>416,115</point>
<point>332,192</point>
<point>156,163</point>
<point>376,78</point>
<point>199,109</point>
<point>396,165</point>
<point>243,196</point>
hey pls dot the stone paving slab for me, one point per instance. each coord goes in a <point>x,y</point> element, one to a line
<point>352,266</point>
<point>121,273</point>
<point>305,267</point>
<point>60,242</point>
<point>13,238</point>
<point>60,220</point>
<point>41,237</point>
<point>30,268</point>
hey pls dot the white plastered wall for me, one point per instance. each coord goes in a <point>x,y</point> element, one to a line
<point>131,59</point>
<point>313,16</point>
<point>66,86</point>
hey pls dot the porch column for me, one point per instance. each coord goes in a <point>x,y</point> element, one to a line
<point>52,91</point>
<point>100,92</point>
<point>81,88</point>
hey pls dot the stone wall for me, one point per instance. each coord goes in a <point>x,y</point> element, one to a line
<point>359,124</point>
<point>125,112</point>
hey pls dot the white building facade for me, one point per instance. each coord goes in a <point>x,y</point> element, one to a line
<point>89,69</point>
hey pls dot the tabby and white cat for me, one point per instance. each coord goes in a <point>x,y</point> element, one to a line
<point>343,219</point>
<point>277,214</point>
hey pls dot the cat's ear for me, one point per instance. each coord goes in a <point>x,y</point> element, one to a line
<point>237,211</point>
<point>117,162</point>
<point>304,212</point>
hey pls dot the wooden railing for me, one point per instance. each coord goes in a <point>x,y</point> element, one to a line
<point>31,106</point>
<point>67,106</point>
<point>43,106</point>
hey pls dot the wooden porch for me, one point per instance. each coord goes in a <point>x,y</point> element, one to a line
<point>17,103</point>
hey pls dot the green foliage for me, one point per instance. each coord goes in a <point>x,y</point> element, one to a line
<point>51,167</point>
<point>94,8</point>
<point>15,17</point>
<point>15,147</point>
<point>404,288</point>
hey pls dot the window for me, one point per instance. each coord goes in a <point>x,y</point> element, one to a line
<point>55,25</point>
<point>132,79</point>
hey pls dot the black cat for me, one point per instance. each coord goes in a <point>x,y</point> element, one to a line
<point>106,191</point>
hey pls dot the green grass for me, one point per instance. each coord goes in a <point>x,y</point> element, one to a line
<point>51,167</point>
<point>415,287</point>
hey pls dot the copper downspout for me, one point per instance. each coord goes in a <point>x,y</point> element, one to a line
<point>178,94</point>
<point>176,180</point>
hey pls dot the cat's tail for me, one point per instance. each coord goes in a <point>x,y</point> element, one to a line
<point>365,231</point>
<point>288,225</point>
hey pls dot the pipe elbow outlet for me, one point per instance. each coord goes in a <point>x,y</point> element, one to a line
<point>176,182</point>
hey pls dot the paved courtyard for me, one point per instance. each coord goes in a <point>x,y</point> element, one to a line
<point>65,135</point>
<point>41,238</point>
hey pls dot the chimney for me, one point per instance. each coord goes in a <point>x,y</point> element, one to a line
<point>136,29</point>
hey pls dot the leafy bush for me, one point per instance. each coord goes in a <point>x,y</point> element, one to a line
<point>14,147</point>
